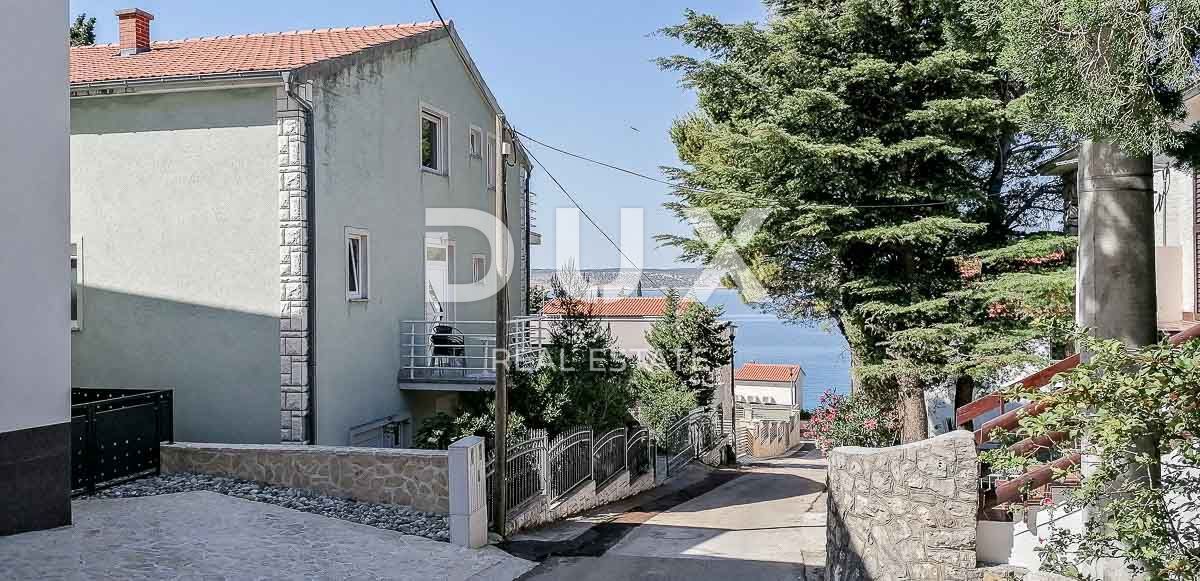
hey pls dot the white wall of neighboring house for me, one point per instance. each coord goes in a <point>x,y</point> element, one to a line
<point>369,176</point>
<point>175,213</point>
<point>772,392</point>
<point>35,394</point>
<point>34,315</point>
<point>1174,234</point>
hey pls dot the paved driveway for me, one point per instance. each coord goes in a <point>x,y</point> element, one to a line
<point>205,535</point>
<point>768,523</point>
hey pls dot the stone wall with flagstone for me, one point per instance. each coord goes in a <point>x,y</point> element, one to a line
<point>905,512</point>
<point>416,478</point>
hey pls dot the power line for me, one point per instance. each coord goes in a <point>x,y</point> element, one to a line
<point>593,222</point>
<point>466,63</point>
<point>706,191</point>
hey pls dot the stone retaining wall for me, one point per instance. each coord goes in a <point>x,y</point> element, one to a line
<point>583,498</point>
<point>906,512</point>
<point>416,478</point>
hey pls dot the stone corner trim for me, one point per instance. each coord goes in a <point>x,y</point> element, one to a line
<point>294,246</point>
<point>906,512</point>
<point>416,478</point>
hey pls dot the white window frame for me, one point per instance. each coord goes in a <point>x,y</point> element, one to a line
<point>363,292</point>
<point>76,255</point>
<point>479,268</point>
<point>442,153</point>
<point>489,164</point>
<point>475,134</point>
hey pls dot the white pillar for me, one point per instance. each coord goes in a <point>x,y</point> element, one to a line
<point>468,493</point>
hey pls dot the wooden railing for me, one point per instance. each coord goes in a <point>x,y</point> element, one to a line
<point>1044,474</point>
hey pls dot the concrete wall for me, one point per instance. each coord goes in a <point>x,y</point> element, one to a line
<point>368,175</point>
<point>34,308</point>
<point>905,512</point>
<point>1017,543</point>
<point>416,478</point>
<point>783,393</point>
<point>175,212</point>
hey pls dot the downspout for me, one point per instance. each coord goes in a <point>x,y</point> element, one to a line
<point>310,203</point>
<point>528,233</point>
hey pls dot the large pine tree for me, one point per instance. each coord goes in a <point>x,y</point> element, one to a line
<point>876,133</point>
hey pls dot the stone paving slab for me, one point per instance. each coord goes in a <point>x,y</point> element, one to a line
<point>196,535</point>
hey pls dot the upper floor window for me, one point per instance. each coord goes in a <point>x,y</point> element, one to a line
<point>356,264</point>
<point>475,142</point>
<point>433,140</point>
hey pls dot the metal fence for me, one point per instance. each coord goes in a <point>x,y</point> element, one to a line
<point>526,468</point>
<point>608,456</point>
<point>552,469</point>
<point>465,351</point>
<point>570,460</point>
<point>115,434</point>
<point>690,437</point>
<point>638,453</point>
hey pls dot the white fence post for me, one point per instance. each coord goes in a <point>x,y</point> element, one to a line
<point>468,493</point>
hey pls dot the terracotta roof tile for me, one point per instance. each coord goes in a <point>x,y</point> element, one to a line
<point>767,372</point>
<point>233,54</point>
<point>620,307</point>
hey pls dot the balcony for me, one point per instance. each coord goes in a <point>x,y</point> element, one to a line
<point>461,355</point>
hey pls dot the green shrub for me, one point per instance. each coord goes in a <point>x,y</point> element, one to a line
<point>662,399</point>
<point>855,420</point>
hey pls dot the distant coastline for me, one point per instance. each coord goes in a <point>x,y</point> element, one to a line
<point>678,278</point>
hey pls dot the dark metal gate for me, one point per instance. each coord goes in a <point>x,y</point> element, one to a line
<point>115,434</point>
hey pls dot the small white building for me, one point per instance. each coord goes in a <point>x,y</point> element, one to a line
<point>769,383</point>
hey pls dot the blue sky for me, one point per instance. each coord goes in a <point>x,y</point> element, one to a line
<point>575,74</point>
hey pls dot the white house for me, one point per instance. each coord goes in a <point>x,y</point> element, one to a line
<point>35,389</point>
<point>250,224</point>
<point>769,383</point>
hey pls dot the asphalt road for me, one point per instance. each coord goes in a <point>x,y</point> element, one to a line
<point>767,523</point>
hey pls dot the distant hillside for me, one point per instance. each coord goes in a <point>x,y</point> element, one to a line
<point>680,278</point>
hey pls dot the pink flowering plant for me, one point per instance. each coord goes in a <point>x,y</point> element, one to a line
<point>852,421</point>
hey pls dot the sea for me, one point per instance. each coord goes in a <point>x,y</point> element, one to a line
<point>817,346</point>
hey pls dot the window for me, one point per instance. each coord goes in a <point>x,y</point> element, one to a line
<point>356,264</point>
<point>76,288</point>
<point>433,140</point>
<point>490,166</point>
<point>478,267</point>
<point>475,142</point>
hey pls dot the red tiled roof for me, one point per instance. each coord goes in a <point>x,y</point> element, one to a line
<point>622,307</point>
<point>233,54</point>
<point>767,372</point>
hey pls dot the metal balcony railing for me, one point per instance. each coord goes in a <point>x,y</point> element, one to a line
<point>465,351</point>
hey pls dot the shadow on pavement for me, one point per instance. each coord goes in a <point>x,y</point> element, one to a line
<point>668,569</point>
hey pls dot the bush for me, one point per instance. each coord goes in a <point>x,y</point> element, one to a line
<point>662,399</point>
<point>854,420</point>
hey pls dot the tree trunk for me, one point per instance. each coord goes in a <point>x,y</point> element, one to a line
<point>914,421</point>
<point>964,393</point>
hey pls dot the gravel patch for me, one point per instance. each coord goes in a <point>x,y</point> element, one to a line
<point>385,516</point>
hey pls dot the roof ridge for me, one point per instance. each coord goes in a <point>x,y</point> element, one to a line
<point>298,32</point>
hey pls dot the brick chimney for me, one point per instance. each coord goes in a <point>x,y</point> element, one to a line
<point>134,26</point>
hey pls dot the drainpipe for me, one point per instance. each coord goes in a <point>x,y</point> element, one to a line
<point>310,202</point>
